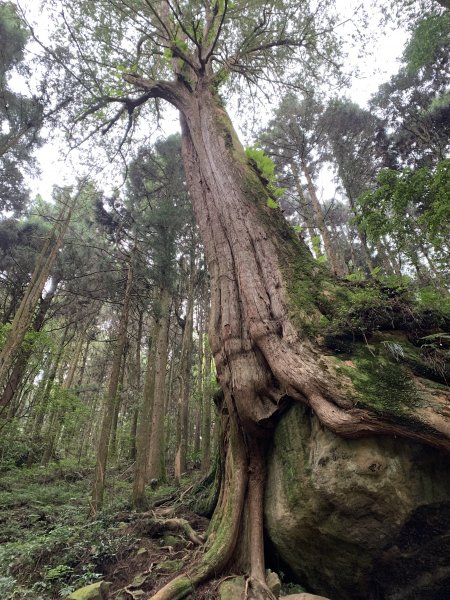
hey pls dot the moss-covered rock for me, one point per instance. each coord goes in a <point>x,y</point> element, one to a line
<point>231,589</point>
<point>170,566</point>
<point>169,540</point>
<point>354,518</point>
<point>95,591</point>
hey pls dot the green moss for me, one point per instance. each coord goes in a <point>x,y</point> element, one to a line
<point>170,566</point>
<point>232,588</point>
<point>382,383</point>
<point>292,449</point>
<point>95,591</point>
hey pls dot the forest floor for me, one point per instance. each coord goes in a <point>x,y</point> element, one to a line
<point>49,547</point>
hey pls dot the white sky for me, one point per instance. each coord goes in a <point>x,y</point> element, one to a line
<point>374,69</point>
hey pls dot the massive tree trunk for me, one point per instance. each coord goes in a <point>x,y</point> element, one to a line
<point>267,296</point>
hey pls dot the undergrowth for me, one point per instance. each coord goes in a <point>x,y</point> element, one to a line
<point>48,546</point>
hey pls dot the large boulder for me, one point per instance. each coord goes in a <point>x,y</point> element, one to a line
<point>358,519</point>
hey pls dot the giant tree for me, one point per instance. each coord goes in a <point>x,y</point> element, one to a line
<point>268,294</point>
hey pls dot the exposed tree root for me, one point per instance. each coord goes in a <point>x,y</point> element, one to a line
<point>224,528</point>
<point>183,525</point>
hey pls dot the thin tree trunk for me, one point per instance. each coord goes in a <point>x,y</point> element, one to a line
<point>92,405</point>
<point>318,214</point>
<point>56,423</point>
<point>113,450</point>
<point>185,372</point>
<point>24,356</point>
<point>156,458</point>
<point>25,313</point>
<point>310,227</point>
<point>98,487</point>
<point>43,402</point>
<point>136,388</point>
<point>145,423</point>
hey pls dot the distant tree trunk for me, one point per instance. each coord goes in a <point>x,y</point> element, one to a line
<point>330,251</point>
<point>25,313</point>
<point>136,388</point>
<point>83,365</point>
<point>145,423</point>
<point>110,399</point>
<point>24,356</point>
<point>156,458</point>
<point>388,261</point>
<point>310,226</point>
<point>119,401</point>
<point>91,404</point>
<point>185,372</point>
<point>361,235</point>
<point>54,429</point>
<point>43,400</point>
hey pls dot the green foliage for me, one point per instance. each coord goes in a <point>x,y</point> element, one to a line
<point>382,383</point>
<point>355,277</point>
<point>315,242</point>
<point>272,204</point>
<point>431,34</point>
<point>412,207</point>
<point>59,572</point>
<point>14,37</point>
<point>263,162</point>
<point>266,168</point>
<point>430,299</point>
